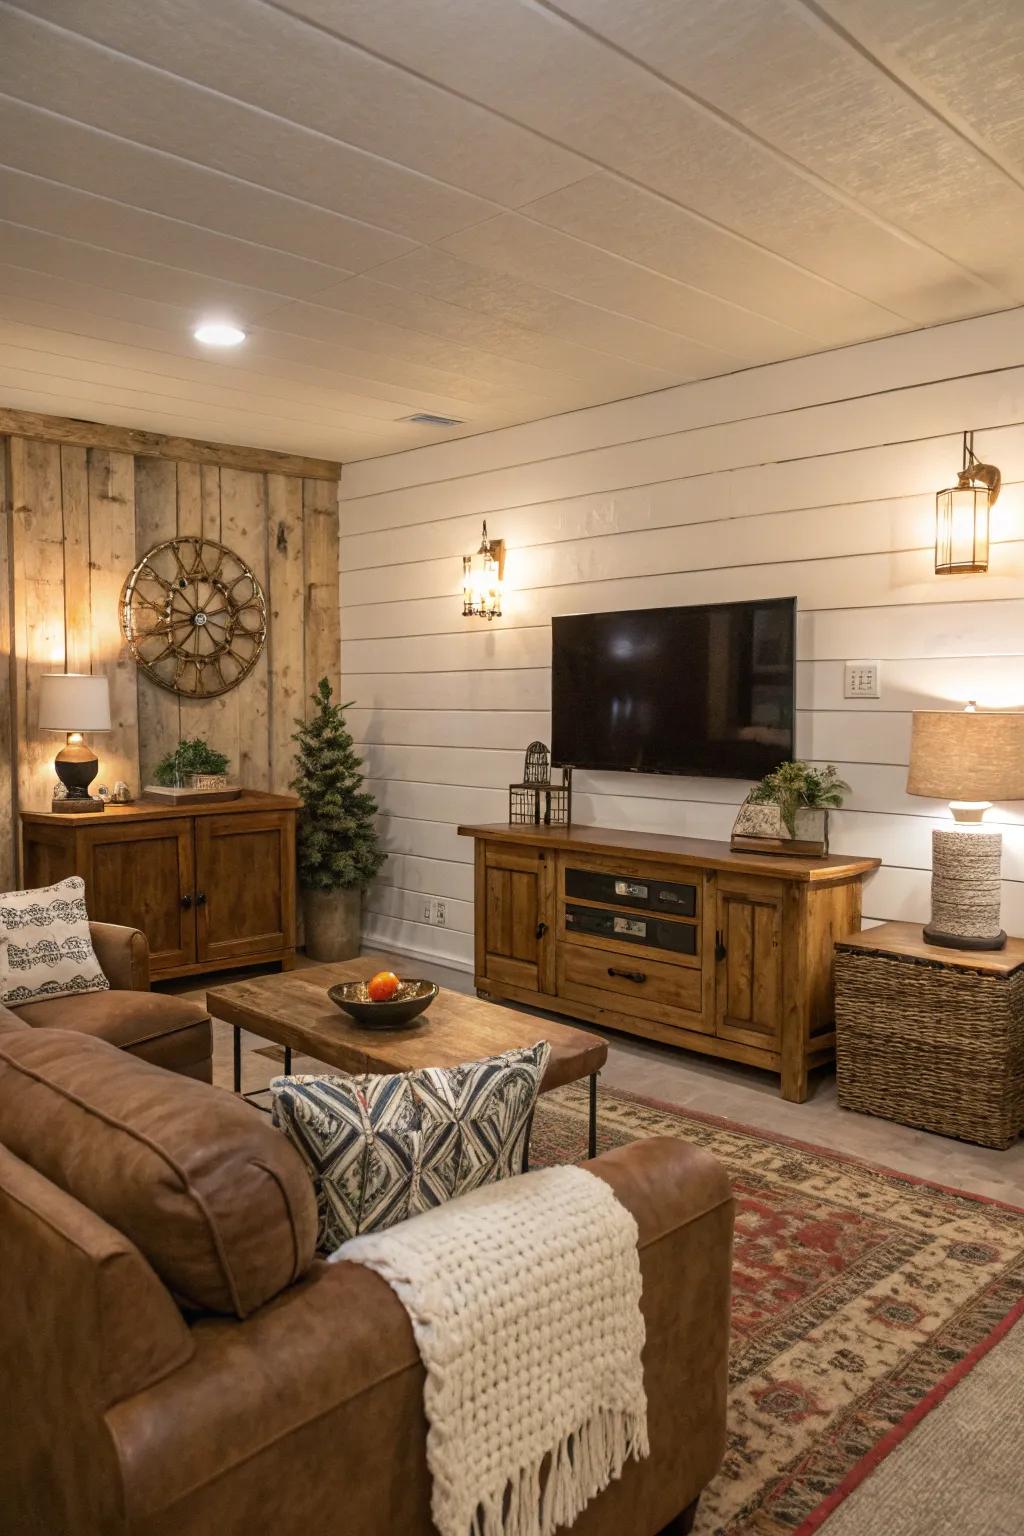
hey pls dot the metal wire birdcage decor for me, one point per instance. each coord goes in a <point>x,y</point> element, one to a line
<point>536,801</point>
<point>537,768</point>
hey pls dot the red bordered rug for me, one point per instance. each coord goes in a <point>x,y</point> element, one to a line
<point>860,1297</point>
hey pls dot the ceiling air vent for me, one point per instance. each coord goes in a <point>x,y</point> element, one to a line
<point>425,419</point>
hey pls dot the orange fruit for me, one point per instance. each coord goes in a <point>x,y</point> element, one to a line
<point>382,987</point>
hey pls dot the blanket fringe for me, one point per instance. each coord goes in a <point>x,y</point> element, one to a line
<point>585,1462</point>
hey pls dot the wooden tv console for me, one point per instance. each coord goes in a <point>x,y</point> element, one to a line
<point>676,939</point>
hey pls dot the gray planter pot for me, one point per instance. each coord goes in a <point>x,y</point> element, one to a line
<point>333,924</point>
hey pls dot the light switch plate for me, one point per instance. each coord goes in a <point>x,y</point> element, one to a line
<point>860,680</point>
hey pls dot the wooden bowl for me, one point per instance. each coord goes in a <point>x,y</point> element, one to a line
<point>412,998</point>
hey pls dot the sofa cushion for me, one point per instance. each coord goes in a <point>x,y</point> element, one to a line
<point>382,1148</point>
<point>45,945</point>
<point>212,1195</point>
<point>126,1019</point>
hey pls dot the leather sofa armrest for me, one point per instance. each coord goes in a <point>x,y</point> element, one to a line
<point>123,954</point>
<point>322,1390</point>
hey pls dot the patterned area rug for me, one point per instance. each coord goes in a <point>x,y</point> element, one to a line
<point>860,1296</point>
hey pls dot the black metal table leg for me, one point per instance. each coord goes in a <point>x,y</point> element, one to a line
<point>287,1061</point>
<point>238,1058</point>
<point>592,1144</point>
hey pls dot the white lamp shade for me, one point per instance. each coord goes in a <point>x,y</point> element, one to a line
<point>73,701</point>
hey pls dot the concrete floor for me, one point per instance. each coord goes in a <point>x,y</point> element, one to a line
<point>732,1092</point>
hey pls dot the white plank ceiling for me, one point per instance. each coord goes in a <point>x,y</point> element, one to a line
<point>494,211</point>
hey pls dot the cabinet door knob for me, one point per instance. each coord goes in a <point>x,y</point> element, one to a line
<point>542,929</point>
<point>720,949</point>
<point>200,898</point>
<point>637,976</point>
<point>186,902</point>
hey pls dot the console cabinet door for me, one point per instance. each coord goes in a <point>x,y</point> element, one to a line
<point>748,961</point>
<point>515,921</point>
<point>140,873</point>
<point>245,884</point>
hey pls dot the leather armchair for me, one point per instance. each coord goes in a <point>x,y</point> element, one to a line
<point>301,1410</point>
<point>157,1026</point>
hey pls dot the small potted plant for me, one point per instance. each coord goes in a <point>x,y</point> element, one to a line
<point>192,765</point>
<point>788,810</point>
<point>339,852</point>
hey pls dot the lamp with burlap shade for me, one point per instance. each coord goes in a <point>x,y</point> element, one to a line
<point>970,758</point>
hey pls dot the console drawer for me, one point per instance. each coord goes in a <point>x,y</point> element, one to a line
<point>631,983</point>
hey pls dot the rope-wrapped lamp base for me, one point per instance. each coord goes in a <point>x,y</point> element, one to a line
<point>966,892</point>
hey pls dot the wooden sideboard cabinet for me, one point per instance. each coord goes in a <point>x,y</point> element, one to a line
<point>677,939</point>
<point>211,886</point>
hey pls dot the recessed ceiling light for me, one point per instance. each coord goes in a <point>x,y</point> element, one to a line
<point>218,333</point>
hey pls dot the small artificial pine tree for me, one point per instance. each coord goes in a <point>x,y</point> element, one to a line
<point>337,840</point>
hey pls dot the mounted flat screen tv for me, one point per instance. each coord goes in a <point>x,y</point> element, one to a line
<point>705,690</point>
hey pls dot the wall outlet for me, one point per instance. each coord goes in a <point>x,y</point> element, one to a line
<point>428,909</point>
<point>435,911</point>
<point>860,680</point>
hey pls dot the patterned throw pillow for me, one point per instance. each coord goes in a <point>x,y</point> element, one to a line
<point>380,1149</point>
<point>45,946</point>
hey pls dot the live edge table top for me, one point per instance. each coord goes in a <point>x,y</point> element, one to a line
<point>293,1009</point>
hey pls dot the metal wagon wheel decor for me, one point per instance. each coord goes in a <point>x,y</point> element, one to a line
<point>194,616</point>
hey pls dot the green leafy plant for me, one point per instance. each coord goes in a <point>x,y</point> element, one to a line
<point>194,756</point>
<point>338,848</point>
<point>794,786</point>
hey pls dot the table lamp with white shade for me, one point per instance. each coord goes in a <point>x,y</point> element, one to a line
<point>75,702</point>
<point>971,758</point>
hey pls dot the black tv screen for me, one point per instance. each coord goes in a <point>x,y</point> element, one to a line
<point>706,690</point>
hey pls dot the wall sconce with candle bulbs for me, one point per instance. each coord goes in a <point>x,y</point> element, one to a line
<point>961,515</point>
<point>483,576</point>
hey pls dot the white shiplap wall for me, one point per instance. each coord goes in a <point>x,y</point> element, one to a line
<point>815,477</point>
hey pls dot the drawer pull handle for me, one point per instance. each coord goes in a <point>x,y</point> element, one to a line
<point>186,902</point>
<point>542,929</point>
<point>627,975</point>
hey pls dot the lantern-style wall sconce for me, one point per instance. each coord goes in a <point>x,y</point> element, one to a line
<point>961,516</point>
<point>482,577</point>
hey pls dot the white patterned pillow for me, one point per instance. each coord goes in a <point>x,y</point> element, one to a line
<point>379,1149</point>
<point>45,945</point>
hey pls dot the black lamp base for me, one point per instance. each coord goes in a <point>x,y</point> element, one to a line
<point>76,765</point>
<point>962,941</point>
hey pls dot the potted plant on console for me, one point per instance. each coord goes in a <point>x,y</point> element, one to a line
<point>338,849</point>
<point>788,811</point>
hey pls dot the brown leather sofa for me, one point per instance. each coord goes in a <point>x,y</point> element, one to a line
<point>167,1030</point>
<point>177,1362</point>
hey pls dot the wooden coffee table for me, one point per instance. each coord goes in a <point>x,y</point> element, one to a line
<point>293,1010</point>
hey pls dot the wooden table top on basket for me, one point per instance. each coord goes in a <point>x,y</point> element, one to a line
<point>293,1010</point>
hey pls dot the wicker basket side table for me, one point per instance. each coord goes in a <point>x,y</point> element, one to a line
<point>931,1037</point>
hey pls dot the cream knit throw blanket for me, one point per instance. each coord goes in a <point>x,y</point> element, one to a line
<point>524,1297</point>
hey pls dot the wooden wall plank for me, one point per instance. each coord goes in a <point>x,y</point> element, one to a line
<point>112,545</point>
<point>243,505</point>
<point>37,560</point>
<point>323,640</point>
<point>94,434</point>
<point>286,599</point>
<point>8,777</point>
<point>156,521</point>
<point>74,492</point>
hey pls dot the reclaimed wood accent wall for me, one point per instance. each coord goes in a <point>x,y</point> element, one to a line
<point>75,519</point>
